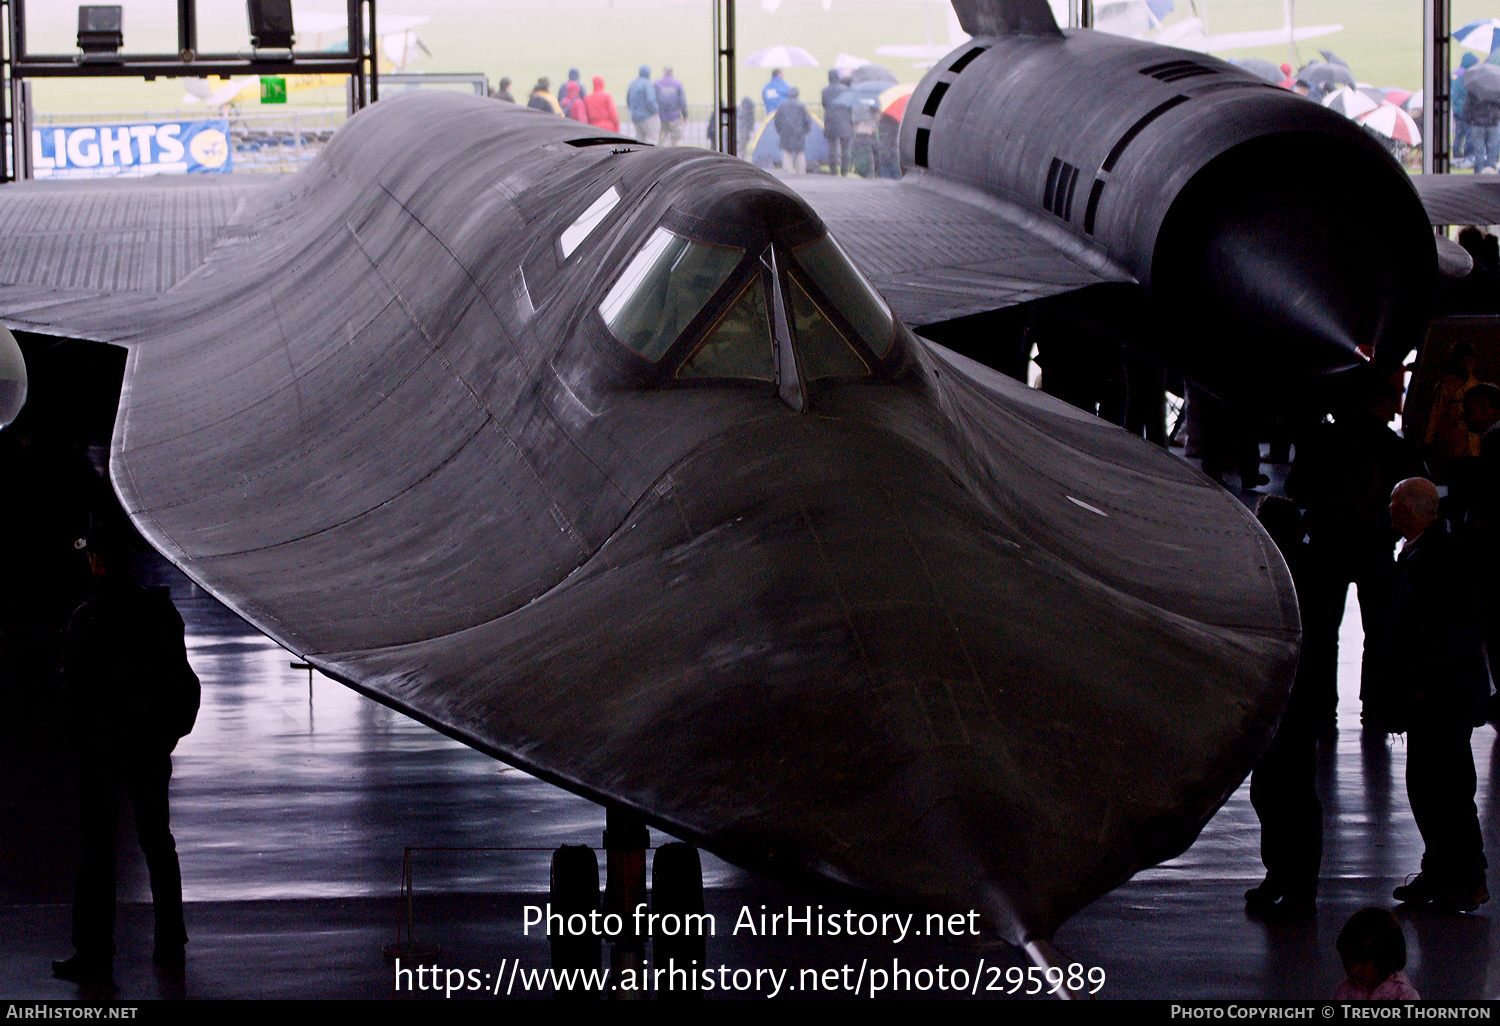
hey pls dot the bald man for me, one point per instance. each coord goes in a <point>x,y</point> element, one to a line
<point>1437,667</point>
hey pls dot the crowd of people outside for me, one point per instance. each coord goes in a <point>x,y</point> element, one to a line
<point>1475,106</point>
<point>1474,103</point>
<point>856,136</point>
<point>859,138</point>
<point>655,110</point>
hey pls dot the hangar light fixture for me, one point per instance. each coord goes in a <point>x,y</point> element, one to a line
<point>270,24</point>
<point>99,34</point>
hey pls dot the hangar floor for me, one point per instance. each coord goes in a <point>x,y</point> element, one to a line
<point>294,800</point>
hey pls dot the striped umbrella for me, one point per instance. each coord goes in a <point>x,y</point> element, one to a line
<point>1350,102</point>
<point>893,100</point>
<point>1478,35</point>
<point>1393,123</point>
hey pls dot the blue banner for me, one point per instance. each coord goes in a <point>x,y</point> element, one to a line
<point>136,148</point>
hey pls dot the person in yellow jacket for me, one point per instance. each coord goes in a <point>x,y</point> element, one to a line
<point>541,97</point>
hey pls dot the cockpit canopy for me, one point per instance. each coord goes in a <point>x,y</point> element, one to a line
<point>767,313</point>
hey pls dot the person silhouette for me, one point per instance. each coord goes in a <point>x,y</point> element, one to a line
<point>1283,788</point>
<point>132,695</point>
<point>1436,658</point>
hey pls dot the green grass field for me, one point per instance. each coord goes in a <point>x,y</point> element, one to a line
<point>524,39</point>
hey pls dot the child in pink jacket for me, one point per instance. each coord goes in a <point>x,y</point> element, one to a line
<point>1374,952</point>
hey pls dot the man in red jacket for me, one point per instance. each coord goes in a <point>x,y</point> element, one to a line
<point>601,107</point>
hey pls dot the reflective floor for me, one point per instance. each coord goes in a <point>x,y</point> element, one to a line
<point>293,801</point>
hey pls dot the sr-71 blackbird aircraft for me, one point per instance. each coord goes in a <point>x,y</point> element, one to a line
<point>609,462</point>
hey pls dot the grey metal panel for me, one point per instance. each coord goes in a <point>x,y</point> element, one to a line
<point>936,257</point>
<point>1459,199</point>
<point>1160,523</point>
<point>880,643</point>
<point>81,258</point>
<point>1046,117</point>
<point>140,236</point>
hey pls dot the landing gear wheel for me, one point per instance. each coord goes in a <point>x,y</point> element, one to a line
<point>676,895</point>
<point>575,890</point>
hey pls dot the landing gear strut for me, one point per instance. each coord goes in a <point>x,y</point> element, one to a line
<point>626,840</point>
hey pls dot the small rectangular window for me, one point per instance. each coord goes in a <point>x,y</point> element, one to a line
<point>575,233</point>
<point>934,98</point>
<point>963,62</point>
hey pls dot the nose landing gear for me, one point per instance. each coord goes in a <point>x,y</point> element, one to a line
<point>668,918</point>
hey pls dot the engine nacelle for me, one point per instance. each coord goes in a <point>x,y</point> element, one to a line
<point>1276,225</point>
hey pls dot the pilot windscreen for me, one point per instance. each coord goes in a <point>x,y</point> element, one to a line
<point>834,275</point>
<point>739,346</point>
<point>663,289</point>
<point>822,348</point>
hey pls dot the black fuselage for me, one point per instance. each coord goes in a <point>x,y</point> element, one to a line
<point>646,492</point>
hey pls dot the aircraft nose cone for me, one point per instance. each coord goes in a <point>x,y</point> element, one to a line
<point>987,713</point>
<point>815,649</point>
<point>893,687</point>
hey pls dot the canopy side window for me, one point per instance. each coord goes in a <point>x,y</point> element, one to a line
<point>822,349</point>
<point>584,225</point>
<point>739,345</point>
<point>834,275</point>
<point>663,288</point>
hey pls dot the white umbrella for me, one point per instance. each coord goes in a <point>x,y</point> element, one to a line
<point>1349,102</point>
<point>848,62</point>
<point>1414,101</point>
<point>782,57</point>
<point>1478,35</point>
<point>1393,123</point>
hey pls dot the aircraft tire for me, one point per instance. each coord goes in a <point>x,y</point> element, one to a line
<point>575,891</point>
<point>677,892</point>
